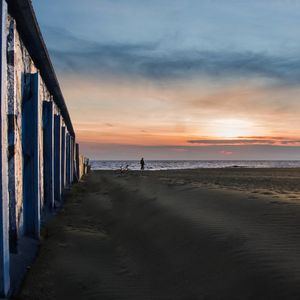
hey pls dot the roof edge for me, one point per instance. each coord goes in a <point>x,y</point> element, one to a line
<point>27,25</point>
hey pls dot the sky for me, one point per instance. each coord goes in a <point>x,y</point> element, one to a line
<point>173,79</point>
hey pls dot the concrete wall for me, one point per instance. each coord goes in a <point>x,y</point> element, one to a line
<point>39,157</point>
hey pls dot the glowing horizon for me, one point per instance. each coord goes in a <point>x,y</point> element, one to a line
<point>129,127</point>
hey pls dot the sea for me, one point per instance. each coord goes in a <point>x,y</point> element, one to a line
<point>154,165</point>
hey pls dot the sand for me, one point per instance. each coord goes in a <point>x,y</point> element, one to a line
<point>188,235</point>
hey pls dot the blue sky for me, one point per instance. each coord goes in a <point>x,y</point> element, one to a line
<point>143,74</point>
<point>222,25</point>
<point>175,30</point>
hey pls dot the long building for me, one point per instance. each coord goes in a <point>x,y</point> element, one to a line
<point>39,157</point>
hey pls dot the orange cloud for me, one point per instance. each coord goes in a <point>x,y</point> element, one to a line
<point>120,111</point>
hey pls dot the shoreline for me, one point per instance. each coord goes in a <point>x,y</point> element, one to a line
<point>192,164</point>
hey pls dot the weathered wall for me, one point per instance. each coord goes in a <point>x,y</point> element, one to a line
<point>28,86</point>
<point>4,203</point>
<point>83,166</point>
<point>20,63</point>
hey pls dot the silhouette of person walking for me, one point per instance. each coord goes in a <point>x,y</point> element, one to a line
<point>142,162</point>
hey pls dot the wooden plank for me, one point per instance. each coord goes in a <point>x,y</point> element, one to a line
<point>57,158</point>
<point>31,156</point>
<point>48,152</point>
<point>12,132</point>
<point>72,159</point>
<point>77,162</point>
<point>63,157</point>
<point>4,203</point>
<point>68,157</point>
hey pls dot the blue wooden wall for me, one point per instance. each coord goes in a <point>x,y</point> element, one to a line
<point>48,153</point>
<point>45,144</point>
<point>77,162</point>
<point>31,156</point>
<point>68,156</point>
<point>71,159</point>
<point>57,158</point>
<point>63,157</point>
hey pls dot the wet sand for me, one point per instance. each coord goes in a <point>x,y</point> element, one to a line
<point>189,234</point>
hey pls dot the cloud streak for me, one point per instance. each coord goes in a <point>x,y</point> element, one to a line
<point>271,141</point>
<point>153,62</point>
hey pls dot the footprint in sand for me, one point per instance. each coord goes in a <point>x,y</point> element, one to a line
<point>63,245</point>
<point>267,193</point>
<point>252,197</point>
<point>277,202</point>
<point>123,271</point>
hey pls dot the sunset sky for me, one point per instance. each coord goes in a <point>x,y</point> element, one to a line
<point>173,79</point>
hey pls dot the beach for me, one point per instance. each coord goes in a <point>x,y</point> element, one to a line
<point>231,233</point>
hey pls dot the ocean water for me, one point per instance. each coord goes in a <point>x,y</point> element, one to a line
<point>192,164</point>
